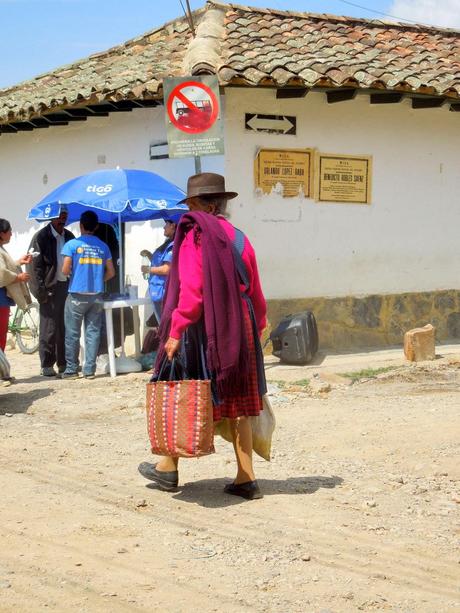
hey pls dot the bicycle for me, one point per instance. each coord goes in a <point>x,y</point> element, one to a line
<point>24,326</point>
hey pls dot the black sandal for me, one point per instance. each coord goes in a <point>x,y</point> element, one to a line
<point>167,481</point>
<point>249,490</point>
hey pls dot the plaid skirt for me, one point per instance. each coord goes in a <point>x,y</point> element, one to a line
<point>193,350</point>
<point>251,403</point>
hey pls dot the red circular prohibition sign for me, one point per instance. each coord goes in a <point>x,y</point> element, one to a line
<point>192,116</point>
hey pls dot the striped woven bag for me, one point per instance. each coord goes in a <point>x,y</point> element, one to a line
<point>180,417</point>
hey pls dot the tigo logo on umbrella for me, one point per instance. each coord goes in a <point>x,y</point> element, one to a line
<point>100,189</point>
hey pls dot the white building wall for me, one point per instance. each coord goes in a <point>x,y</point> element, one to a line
<point>407,240</point>
<point>60,153</point>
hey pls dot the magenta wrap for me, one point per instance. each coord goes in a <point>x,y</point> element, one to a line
<point>204,283</point>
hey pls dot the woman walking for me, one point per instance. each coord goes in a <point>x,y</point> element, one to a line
<point>12,281</point>
<point>214,298</point>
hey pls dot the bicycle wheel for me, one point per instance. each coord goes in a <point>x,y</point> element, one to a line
<point>28,324</point>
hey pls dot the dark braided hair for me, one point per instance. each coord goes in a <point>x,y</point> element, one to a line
<point>5,225</point>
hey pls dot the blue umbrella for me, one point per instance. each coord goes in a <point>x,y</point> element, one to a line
<point>117,195</point>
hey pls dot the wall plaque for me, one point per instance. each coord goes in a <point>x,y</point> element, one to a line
<point>343,178</point>
<point>292,168</point>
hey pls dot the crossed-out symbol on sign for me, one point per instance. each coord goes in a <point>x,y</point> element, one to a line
<point>192,107</point>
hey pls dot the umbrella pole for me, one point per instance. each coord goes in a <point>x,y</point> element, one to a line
<point>122,332</point>
<point>122,287</point>
<point>120,257</point>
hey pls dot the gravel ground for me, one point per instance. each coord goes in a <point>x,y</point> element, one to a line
<point>360,510</point>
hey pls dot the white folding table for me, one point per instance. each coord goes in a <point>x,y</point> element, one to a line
<point>109,305</point>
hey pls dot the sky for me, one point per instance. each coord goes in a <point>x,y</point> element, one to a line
<point>40,35</point>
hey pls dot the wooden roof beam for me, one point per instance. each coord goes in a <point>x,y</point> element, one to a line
<point>427,103</point>
<point>387,98</point>
<point>148,103</point>
<point>341,95</point>
<point>40,122</point>
<point>127,105</point>
<point>22,126</point>
<point>108,107</point>
<point>85,112</point>
<point>61,116</point>
<point>291,92</point>
<point>7,129</point>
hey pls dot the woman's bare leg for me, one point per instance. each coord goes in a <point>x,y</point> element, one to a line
<point>242,443</point>
<point>167,464</point>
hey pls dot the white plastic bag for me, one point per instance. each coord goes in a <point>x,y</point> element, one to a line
<point>102,364</point>
<point>263,427</point>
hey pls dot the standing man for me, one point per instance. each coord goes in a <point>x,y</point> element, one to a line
<point>50,287</point>
<point>89,262</point>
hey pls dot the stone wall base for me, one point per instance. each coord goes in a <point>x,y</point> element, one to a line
<point>349,323</point>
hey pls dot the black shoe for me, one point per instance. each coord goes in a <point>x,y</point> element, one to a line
<point>249,490</point>
<point>166,480</point>
<point>69,375</point>
<point>61,369</point>
<point>48,371</point>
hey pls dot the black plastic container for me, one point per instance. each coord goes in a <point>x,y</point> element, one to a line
<point>295,340</point>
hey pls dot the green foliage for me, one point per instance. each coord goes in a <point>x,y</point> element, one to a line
<point>279,383</point>
<point>287,384</point>
<point>303,382</point>
<point>366,373</point>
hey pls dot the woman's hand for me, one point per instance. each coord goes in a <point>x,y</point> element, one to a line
<point>171,347</point>
<point>145,270</point>
<point>23,277</point>
<point>25,259</point>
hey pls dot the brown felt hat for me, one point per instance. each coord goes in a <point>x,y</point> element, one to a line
<point>207,184</point>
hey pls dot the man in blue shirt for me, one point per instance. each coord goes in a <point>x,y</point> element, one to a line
<point>89,262</point>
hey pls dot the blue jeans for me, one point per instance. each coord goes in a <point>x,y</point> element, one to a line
<point>79,308</point>
<point>157,304</point>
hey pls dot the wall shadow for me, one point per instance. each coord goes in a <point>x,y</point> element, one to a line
<point>317,360</point>
<point>209,492</point>
<point>15,402</point>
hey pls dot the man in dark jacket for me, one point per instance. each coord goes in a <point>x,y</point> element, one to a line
<point>50,287</point>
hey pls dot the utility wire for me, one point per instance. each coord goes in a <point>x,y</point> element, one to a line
<point>188,16</point>
<point>358,6</point>
<point>365,8</point>
<point>183,8</point>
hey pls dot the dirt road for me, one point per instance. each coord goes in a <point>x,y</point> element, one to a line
<point>360,510</point>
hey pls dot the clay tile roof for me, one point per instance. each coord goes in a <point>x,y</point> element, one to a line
<point>317,47</point>
<point>134,69</point>
<point>249,46</point>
